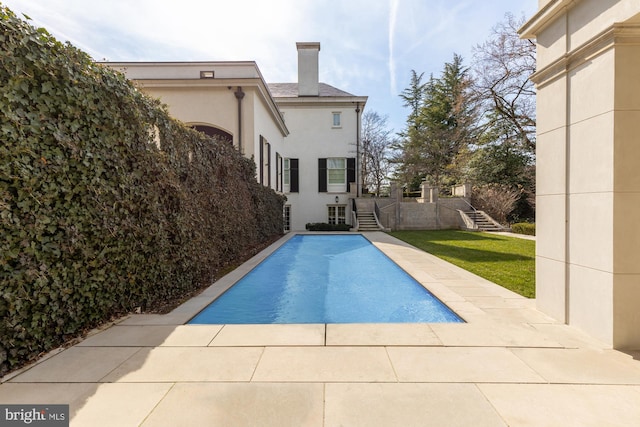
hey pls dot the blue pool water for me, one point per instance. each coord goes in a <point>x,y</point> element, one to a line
<point>326,279</point>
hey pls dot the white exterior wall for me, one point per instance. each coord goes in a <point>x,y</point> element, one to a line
<point>312,137</point>
<point>218,107</point>
<point>588,186</point>
<point>212,101</point>
<point>263,125</point>
<point>212,106</point>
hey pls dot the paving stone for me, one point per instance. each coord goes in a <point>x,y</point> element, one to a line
<point>173,364</point>
<point>270,335</point>
<point>581,366</point>
<point>192,336</point>
<point>532,405</point>
<point>120,404</point>
<point>235,404</point>
<point>459,364</point>
<point>381,334</point>
<point>77,364</point>
<point>324,364</point>
<point>129,336</point>
<point>408,405</point>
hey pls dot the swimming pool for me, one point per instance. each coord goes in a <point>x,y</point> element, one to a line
<point>326,279</point>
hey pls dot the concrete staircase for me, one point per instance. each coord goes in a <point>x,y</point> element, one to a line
<point>483,221</point>
<point>367,222</point>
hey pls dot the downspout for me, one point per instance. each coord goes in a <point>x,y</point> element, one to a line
<point>239,95</point>
<point>358,180</point>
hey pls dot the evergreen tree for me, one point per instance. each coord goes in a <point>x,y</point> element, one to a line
<point>502,158</point>
<point>439,131</point>
<point>413,97</point>
<point>407,147</point>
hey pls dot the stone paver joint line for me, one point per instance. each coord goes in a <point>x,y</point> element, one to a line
<point>158,403</point>
<point>395,372</point>
<point>257,364</point>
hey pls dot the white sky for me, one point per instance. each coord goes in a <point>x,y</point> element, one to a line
<point>368,47</point>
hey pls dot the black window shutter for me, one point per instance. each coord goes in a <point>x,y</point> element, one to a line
<point>322,175</point>
<point>279,172</point>
<point>351,172</point>
<point>293,176</point>
<point>261,169</point>
<point>268,165</point>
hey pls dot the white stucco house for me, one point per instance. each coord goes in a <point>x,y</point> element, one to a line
<point>303,136</point>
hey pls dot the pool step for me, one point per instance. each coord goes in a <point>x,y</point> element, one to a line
<point>367,222</point>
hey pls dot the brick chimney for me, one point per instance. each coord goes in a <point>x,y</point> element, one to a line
<point>308,68</point>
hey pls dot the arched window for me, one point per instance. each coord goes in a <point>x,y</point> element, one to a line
<point>214,132</point>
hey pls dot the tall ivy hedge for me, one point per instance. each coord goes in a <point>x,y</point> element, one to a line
<point>106,203</point>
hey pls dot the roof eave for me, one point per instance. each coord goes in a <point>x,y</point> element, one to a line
<point>544,17</point>
<point>308,100</point>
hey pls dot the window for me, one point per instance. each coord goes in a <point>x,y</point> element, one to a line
<point>214,132</point>
<point>335,174</point>
<point>279,173</point>
<point>290,176</point>
<point>286,176</point>
<point>267,165</point>
<point>265,162</point>
<point>337,214</point>
<point>286,217</point>
<point>336,120</point>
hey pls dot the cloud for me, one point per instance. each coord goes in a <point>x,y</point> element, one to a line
<point>164,30</point>
<point>393,15</point>
<point>443,20</point>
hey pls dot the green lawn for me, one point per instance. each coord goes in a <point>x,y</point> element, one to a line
<point>507,261</point>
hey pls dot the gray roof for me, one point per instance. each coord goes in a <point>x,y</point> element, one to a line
<point>290,90</point>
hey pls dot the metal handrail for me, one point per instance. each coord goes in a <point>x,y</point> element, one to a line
<point>470,205</point>
<point>354,214</point>
<point>376,214</point>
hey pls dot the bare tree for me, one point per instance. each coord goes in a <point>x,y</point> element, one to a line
<point>497,200</point>
<point>376,146</point>
<point>502,66</point>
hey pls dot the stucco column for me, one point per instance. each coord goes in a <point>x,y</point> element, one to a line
<point>626,189</point>
<point>588,158</point>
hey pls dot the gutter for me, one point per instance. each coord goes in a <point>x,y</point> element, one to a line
<point>239,95</point>
<point>358,178</point>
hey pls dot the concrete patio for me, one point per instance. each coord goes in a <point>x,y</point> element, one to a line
<point>508,365</point>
